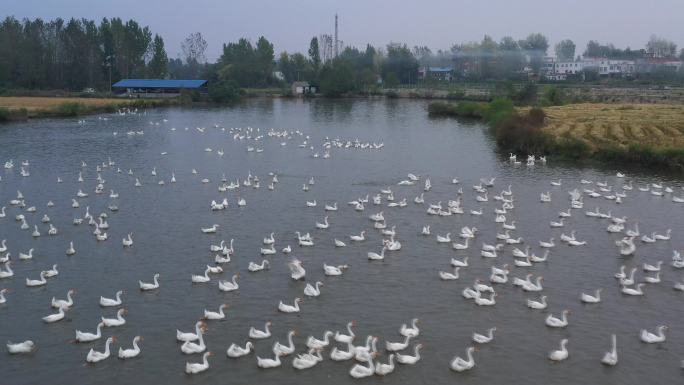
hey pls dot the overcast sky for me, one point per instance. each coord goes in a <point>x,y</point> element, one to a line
<point>290,24</point>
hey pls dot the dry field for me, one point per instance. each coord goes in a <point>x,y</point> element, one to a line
<point>47,103</point>
<point>658,125</point>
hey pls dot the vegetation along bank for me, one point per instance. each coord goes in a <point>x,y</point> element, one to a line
<point>643,134</point>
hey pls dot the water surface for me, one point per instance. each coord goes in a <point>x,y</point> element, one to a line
<point>379,296</point>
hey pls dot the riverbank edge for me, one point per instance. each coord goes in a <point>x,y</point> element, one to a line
<point>522,133</point>
<point>75,108</point>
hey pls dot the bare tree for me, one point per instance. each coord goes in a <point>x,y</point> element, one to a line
<point>193,48</point>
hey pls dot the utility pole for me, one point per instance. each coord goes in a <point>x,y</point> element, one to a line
<point>337,46</point>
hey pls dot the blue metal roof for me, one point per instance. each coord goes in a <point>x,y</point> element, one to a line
<point>440,69</point>
<point>158,83</point>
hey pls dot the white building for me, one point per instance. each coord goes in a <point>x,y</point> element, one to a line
<point>569,67</point>
<point>608,67</point>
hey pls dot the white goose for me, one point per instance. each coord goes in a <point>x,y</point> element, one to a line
<point>337,354</point>
<point>444,238</point>
<point>375,256</point>
<point>253,267</point>
<point>587,298</point>
<point>346,338</point>
<point>313,290</point>
<point>410,331</point>
<point>284,350</point>
<point>633,291</point>
<point>131,353</point>
<point>458,364</point>
<point>308,360</point>
<point>562,354</point>
<point>289,308</point>
<point>95,356</point>
<point>195,278</point>
<point>333,270</point>
<point>106,302</point>
<point>150,286</point>
<point>260,334</point>
<point>396,346</point>
<point>447,276</point>
<point>358,238</point>
<point>235,351</point>
<point>484,339</point>
<point>128,241</point>
<point>315,343</point>
<point>651,338</point>
<point>215,315</point>
<point>34,282</point>
<point>537,305</point>
<point>229,285</point>
<point>88,337</point>
<point>21,348</point>
<point>385,369</point>
<point>611,358</point>
<point>118,321</point>
<point>548,245</point>
<point>69,302</point>
<point>197,367</point>
<point>324,225</point>
<point>28,256</point>
<point>191,347</point>
<point>554,322</point>
<point>461,246</point>
<point>361,371</point>
<point>267,363</point>
<point>408,359</point>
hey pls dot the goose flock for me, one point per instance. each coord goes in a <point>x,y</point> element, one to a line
<point>513,259</point>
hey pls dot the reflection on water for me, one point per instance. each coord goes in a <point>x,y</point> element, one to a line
<point>379,296</point>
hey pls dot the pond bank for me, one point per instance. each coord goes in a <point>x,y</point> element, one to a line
<point>30,107</point>
<point>645,134</point>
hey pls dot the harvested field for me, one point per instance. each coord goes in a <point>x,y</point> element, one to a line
<point>31,103</point>
<point>656,125</point>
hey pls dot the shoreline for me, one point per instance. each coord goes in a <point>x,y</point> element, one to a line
<point>24,108</point>
<point>610,134</point>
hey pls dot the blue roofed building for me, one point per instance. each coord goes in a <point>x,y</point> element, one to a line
<point>155,88</point>
<point>436,73</point>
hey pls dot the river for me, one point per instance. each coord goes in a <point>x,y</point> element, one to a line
<point>379,295</point>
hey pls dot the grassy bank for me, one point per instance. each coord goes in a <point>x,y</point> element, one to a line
<point>20,108</point>
<point>644,134</point>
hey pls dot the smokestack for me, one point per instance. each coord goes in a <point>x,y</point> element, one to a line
<point>337,47</point>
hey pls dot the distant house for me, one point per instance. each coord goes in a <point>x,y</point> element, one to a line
<point>155,88</point>
<point>301,88</point>
<point>436,73</point>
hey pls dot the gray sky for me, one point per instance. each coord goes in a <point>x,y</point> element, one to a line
<point>290,24</point>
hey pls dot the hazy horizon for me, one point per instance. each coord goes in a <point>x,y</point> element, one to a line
<point>437,24</point>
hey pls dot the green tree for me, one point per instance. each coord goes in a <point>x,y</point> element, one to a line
<point>391,80</point>
<point>337,77</point>
<point>314,55</point>
<point>158,65</point>
<point>512,59</point>
<point>565,50</point>
<point>264,61</point>
<point>536,46</point>
<point>224,91</point>
<point>400,61</point>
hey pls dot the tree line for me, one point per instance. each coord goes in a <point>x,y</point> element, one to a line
<point>80,53</point>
